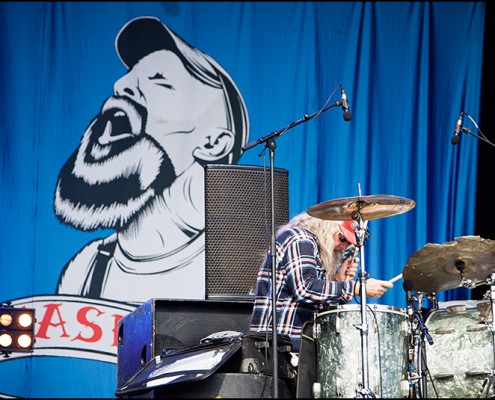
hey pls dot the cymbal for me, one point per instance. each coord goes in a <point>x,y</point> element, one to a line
<point>371,207</point>
<point>434,267</point>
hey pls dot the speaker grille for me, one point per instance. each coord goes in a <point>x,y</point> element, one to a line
<point>238,224</point>
<point>164,324</point>
<point>181,324</point>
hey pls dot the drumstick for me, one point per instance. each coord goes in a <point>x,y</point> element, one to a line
<point>395,278</point>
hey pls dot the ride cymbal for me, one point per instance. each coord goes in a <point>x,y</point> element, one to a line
<point>438,267</point>
<point>368,207</point>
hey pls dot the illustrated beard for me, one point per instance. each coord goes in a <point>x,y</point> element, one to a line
<point>115,173</point>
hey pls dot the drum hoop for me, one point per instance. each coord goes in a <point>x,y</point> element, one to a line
<point>370,307</point>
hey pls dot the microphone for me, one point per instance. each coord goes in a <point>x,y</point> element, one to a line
<point>351,249</point>
<point>412,310</point>
<point>457,131</point>
<point>345,105</point>
<point>408,287</point>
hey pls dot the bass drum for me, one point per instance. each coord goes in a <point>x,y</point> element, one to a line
<point>339,352</point>
<point>461,357</point>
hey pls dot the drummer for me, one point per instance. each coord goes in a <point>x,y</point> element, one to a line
<point>311,275</point>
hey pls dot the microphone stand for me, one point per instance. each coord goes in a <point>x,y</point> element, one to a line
<point>421,325</point>
<point>479,136</point>
<point>271,145</point>
<point>416,321</point>
<point>469,132</point>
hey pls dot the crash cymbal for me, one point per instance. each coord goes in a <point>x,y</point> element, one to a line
<point>371,207</point>
<point>435,267</point>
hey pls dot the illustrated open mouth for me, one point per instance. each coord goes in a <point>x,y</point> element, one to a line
<point>117,127</point>
<point>120,119</point>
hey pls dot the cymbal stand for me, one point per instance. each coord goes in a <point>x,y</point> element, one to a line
<point>362,234</point>
<point>433,299</point>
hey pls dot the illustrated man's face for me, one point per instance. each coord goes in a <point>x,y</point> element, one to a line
<point>158,122</point>
<point>182,112</point>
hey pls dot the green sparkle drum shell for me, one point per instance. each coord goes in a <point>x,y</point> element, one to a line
<point>461,357</point>
<point>339,351</point>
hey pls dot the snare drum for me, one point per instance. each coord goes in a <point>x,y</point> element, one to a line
<point>339,351</point>
<point>461,356</point>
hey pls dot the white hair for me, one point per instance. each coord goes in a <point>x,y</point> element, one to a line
<point>324,231</point>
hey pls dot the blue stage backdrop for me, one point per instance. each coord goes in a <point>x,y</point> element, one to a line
<point>108,117</point>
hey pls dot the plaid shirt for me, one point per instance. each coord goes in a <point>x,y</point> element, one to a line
<point>302,289</point>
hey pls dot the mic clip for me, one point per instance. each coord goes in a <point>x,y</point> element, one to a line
<point>413,300</point>
<point>411,304</point>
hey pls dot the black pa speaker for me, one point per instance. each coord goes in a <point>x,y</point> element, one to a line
<point>160,324</point>
<point>228,386</point>
<point>238,224</point>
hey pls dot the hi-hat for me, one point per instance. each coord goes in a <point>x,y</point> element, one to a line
<point>438,267</point>
<point>365,207</point>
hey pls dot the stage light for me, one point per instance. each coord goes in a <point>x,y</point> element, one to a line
<point>16,329</point>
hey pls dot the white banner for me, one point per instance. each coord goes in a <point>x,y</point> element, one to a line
<point>74,326</point>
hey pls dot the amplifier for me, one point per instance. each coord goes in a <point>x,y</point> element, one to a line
<point>160,324</point>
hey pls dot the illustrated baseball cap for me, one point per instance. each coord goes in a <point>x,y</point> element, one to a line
<point>347,229</point>
<point>142,36</point>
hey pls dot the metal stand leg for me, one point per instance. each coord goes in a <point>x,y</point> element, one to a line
<point>361,235</point>
<point>418,369</point>
<point>420,335</point>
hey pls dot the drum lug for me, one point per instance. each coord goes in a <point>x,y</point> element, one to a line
<point>338,324</point>
<point>476,373</point>
<point>317,390</point>
<point>339,387</point>
<point>404,389</point>
<point>443,376</point>
<point>317,331</point>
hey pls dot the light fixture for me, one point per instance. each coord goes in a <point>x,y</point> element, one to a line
<point>16,329</point>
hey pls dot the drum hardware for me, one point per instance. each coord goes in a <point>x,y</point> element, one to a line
<point>458,309</point>
<point>317,390</point>
<point>487,383</point>
<point>362,209</point>
<point>418,370</point>
<point>478,327</point>
<point>444,331</point>
<point>413,311</point>
<point>432,298</point>
<point>484,310</point>
<point>490,379</point>
<point>424,330</point>
<point>419,332</point>
<point>443,376</point>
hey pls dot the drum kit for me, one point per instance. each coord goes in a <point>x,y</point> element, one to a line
<point>394,358</point>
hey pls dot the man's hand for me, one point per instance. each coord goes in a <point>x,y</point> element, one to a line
<point>374,288</point>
